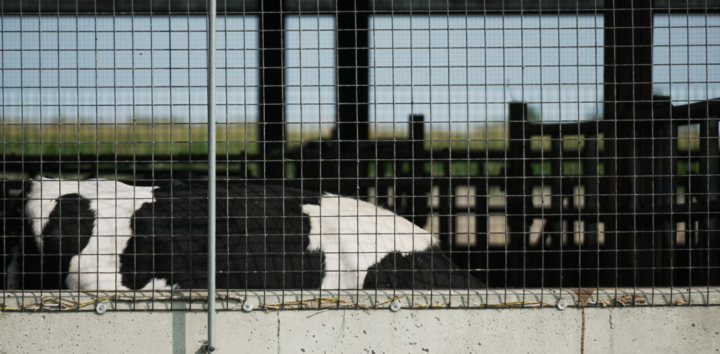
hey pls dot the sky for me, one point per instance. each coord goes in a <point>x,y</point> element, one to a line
<point>686,57</point>
<point>467,68</point>
<point>447,68</point>
<point>148,67</point>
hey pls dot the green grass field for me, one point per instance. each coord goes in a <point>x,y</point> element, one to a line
<point>141,138</point>
<point>147,138</point>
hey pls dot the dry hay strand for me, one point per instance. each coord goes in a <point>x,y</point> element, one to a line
<point>45,302</point>
<point>517,304</point>
<point>623,300</point>
<point>391,300</point>
<point>4,308</point>
<point>428,306</point>
<point>96,300</point>
<point>293,305</point>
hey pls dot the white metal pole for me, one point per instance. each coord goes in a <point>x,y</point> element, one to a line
<point>212,172</point>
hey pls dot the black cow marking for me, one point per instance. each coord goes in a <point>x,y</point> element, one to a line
<point>66,234</point>
<point>262,240</point>
<point>46,265</point>
<point>419,270</point>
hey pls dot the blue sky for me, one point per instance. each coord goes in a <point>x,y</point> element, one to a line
<point>466,68</point>
<point>686,57</point>
<point>310,75</point>
<point>148,67</point>
<point>448,68</point>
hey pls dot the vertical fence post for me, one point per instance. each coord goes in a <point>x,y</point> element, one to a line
<point>211,15</point>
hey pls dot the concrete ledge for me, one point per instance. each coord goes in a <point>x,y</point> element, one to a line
<point>622,321</point>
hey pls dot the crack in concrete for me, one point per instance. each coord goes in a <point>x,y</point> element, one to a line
<point>582,333</point>
<point>342,328</point>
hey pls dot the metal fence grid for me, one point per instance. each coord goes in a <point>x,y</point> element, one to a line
<point>566,145</point>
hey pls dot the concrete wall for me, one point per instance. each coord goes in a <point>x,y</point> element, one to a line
<point>616,328</point>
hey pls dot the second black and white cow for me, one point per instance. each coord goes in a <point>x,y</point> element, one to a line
<point>103,234</point>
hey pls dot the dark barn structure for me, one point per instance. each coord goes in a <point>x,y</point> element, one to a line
<point>627,199</point>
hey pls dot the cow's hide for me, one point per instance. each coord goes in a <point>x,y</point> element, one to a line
<point>102,234</point>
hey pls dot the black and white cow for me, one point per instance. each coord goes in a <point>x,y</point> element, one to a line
<point>103,234</point>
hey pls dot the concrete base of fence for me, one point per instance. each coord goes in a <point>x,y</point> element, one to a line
<point>597,322</point>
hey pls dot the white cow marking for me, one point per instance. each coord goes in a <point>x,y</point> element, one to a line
<point>97,266</point>
<point>354,235</point>
<point>158,284</point>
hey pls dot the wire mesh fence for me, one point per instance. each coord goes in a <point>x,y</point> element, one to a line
<point>363,147</point>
